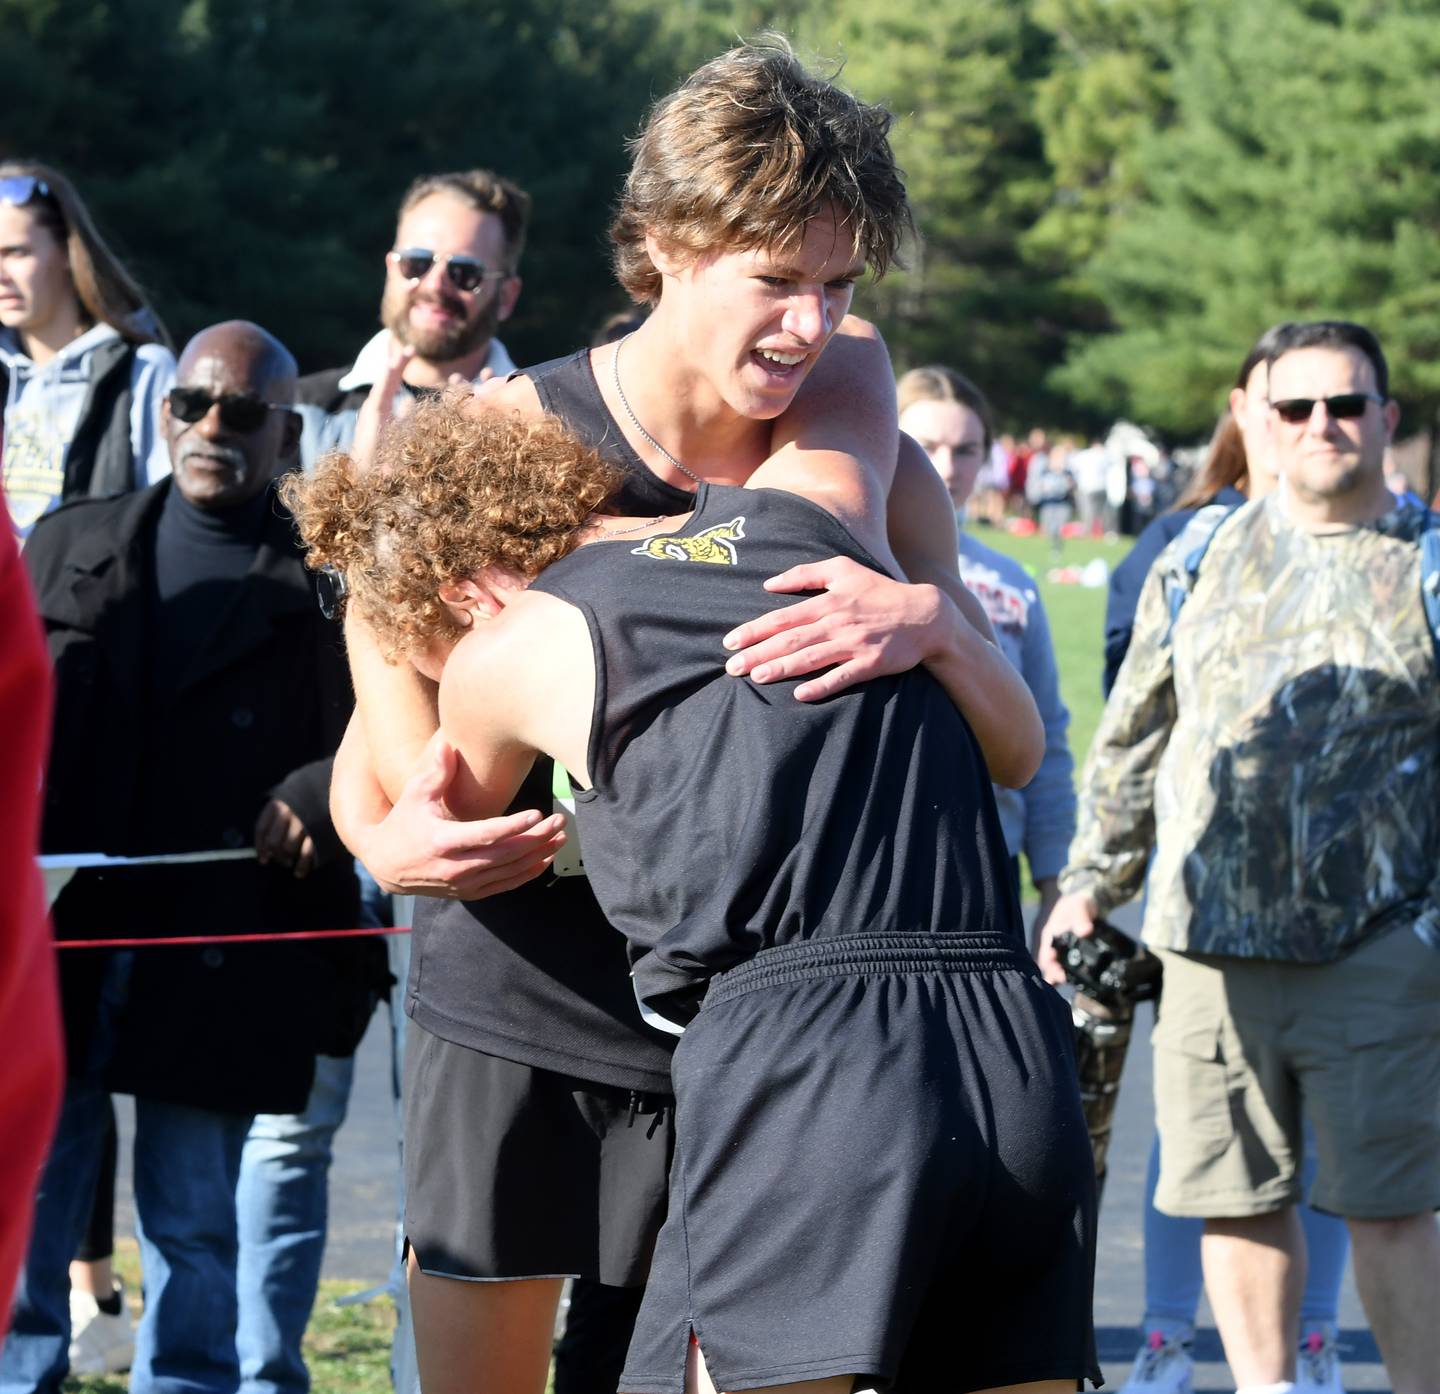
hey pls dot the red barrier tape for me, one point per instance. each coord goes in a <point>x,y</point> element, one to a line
<point>227,938</point>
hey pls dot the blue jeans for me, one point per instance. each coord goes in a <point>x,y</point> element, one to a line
<point>187,1161</point>
<point>283,1207</point>
<point>283,1202</point>
<point>1173,1277</point>
<point>404,1371</point>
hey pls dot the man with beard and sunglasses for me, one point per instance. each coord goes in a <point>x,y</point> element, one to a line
<point>451,279</point>
<point>199,697</point>
<point>1271,739</point>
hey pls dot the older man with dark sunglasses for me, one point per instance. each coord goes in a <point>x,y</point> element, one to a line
<point>199,697</point>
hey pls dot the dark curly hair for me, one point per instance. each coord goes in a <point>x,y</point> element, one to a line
<point>454,489</point>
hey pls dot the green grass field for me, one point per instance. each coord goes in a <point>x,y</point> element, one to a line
<point>348,1348</point>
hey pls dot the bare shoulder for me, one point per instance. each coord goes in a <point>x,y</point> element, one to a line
<point>853,327</point>
<point>522,681</point>
<point>534,612</point>
<point>505,660</point>
<point>855,357</point>
<point>516,395</point>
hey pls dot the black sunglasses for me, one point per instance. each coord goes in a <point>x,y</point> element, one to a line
<point>239,411</point>
<point>1344,406</point>
<point>18,189</point>
<point>465,273</point>
<point>331,588</point>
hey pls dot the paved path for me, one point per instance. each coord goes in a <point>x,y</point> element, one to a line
<point>364,1175</point>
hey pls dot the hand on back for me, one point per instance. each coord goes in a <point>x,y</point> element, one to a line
<point>861,625</point>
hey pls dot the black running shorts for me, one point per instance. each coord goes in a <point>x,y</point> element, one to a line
<point>881,1169</point>
<point>517,1172</point>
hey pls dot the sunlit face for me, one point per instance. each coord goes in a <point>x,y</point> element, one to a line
<point>216,467</point>
<point>753,323</point>
<point>1325,457</point>
<point>440,321</point>
<point>35,284</point>
<point>953,436</point>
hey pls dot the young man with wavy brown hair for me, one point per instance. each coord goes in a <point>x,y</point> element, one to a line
<point>523,1014</point>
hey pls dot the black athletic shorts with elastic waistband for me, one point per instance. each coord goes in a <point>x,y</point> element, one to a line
<point>881,1169</point>
<point>517,1172</point>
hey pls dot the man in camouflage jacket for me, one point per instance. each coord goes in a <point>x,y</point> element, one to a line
<point>1271,738</point>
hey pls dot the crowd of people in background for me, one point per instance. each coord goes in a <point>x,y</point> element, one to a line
<point>1073,486</point>
<point>208,740</point>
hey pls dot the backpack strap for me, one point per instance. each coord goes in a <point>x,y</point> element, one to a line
<point>1188,550</point>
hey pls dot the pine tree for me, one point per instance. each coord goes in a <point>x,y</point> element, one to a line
<point>247,156</point>
<point>1297,179</point>
<point>959,77</point>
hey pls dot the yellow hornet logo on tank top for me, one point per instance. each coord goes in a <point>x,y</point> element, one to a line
<point>715,545</point>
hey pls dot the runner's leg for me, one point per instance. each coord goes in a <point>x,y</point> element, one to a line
<point>698,1381</point>
<point>491,1336</point>
<point>1043,1386</point>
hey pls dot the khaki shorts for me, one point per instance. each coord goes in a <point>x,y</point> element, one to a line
<point>1243,1047</point>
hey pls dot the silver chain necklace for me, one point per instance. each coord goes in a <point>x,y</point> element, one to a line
<point>620,532</point>
<point>635,420</point>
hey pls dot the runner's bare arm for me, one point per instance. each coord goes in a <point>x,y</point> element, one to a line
<point>863,624</point>
<point>396,706</point>
<point>391,785</point>
<point>415,846</point>
<point>982,682</point>
<point>846,406</point>
<point>521,684</point>
<point>389,798</point>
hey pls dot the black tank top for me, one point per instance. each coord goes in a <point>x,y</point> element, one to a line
<point>567,389</point>
<point>726,817</point>
<point>536,975</point>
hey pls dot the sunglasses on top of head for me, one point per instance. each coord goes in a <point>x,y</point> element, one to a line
<point>1344,406</point>
<point>19,189</point>
<point>464,273</point>
<point>240,412</point>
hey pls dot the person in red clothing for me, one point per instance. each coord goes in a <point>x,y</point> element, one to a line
<point>30,1082</point>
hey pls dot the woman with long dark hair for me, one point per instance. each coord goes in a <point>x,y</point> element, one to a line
<point>83,369</point>
<point>83,359</point>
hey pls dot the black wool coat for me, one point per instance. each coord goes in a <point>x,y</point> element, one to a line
<point>140,766</point>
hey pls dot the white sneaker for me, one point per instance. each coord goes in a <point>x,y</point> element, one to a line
<point>99,1343</point>
<point>1318,1368</point>
<point>1162,1366</point>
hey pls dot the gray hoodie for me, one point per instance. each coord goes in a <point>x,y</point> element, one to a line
<point>43,409</point>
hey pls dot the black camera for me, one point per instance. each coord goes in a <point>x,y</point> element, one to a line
<point>1109,966</point>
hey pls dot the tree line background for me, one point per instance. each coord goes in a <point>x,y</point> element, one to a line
<point>1115,196</point>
